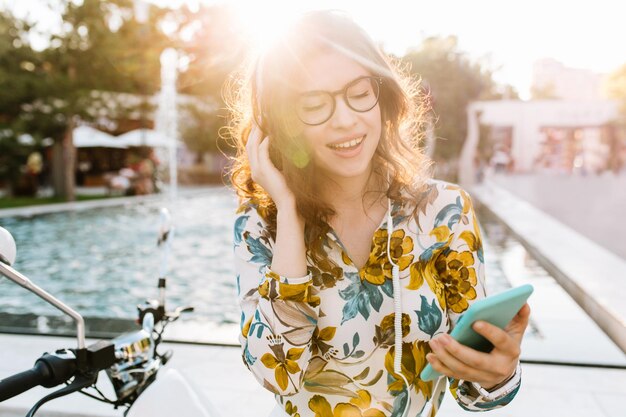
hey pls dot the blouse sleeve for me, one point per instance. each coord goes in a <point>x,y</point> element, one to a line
<point>466,258</point>
<point>278,314</point>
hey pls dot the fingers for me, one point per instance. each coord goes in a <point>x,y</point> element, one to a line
<point>457,361</point>
<point>513,332</point>
<point>494,334</point>
<point>517,327</point>
<point>256,146</point>
<point>251,146</point>
<point>523,316</point>
<point>264,150</point>
<point>465,354</point>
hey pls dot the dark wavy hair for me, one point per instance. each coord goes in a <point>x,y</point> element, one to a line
<point>263,92</point>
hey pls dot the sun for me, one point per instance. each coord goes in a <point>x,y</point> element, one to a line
<point>265,21</point>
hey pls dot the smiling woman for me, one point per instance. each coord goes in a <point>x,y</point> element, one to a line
<point>352,264</point>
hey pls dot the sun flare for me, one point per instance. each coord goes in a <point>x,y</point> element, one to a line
<point>265,22</point>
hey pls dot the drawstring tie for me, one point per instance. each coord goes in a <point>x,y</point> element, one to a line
<point>397,325</point>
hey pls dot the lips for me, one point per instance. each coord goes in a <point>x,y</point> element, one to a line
<point>347,143</point>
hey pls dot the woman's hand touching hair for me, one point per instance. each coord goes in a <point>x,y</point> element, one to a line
<point>263,171</point>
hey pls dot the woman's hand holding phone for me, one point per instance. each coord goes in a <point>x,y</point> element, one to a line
<point>263,170</point>
<point>458,361</point>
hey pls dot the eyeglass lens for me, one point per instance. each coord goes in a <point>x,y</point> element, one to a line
<point>317,107</point>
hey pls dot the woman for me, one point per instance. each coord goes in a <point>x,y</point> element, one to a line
<point>353,265</point>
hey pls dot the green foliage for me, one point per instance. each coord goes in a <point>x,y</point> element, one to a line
<point>615,87</point>
<point>453,81</point>
<point>543,92</point>
<point>201,132</point>
<point>32,201</point>
<point>13,156</point>
<point>213,44</point>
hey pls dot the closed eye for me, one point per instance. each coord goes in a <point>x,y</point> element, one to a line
<point>362,95</point>
<point>313,108</point>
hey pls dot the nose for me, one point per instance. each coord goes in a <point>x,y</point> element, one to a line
<point>343,116</point>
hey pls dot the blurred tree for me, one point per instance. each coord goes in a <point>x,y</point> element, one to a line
<point>19,83</point>
<point>543,92</point>
<point>615,87</point>
<point>453,81</point>
<point>201,133</point>
<point>100,48</point>
<point>212,45</point>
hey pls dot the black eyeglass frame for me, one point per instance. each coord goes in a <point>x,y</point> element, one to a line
<point>378,81</point>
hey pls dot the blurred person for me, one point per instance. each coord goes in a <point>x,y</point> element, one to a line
<point>500,160</point>
<point>340,226</point>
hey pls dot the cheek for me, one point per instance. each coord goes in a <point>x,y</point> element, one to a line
<point>376,123</point>
<point>314,138</point>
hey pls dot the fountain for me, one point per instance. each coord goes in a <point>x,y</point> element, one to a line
<point>166,121</point>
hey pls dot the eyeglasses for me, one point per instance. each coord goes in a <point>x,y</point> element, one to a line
<point>317,107</point>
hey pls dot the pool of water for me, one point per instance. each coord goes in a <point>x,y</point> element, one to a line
<point>103,262</point>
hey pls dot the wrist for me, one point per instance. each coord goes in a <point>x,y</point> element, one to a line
<point>288,209</point>
<point>285,203</point>
<point>493,387</point>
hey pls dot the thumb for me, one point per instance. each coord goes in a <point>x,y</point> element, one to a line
<point>518,325</point>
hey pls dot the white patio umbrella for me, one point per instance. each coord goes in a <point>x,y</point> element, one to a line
<point>144,137</point>
<point>88,137</point>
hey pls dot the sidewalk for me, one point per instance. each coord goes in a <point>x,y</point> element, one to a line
<point>592,205</point>
<point>560,332</point>
<point>592,275</point>
<point>108,202</point>
<point>547,391</point>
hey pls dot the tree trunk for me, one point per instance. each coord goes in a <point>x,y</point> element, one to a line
<point>63,165</point>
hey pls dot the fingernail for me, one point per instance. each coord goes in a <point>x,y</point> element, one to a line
<point>479,325</point>
<point>444,339</point>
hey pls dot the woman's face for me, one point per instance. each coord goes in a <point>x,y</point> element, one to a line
<point>343,146</point>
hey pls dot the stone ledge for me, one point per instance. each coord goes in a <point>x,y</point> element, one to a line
<point>593,276</point>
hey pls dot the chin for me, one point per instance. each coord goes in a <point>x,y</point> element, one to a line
<point>347,170</point>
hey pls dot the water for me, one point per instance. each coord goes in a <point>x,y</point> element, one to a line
<point>103,262</point>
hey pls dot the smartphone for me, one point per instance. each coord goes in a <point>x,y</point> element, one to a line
<point>497,309</point>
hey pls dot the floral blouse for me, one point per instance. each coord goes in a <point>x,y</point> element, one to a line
<point>324,343</point>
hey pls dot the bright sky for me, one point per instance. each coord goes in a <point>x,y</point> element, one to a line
<point>586,34</point>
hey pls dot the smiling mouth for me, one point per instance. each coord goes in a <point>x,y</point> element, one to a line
<point>349,144</point>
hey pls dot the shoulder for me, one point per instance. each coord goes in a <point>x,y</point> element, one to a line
<point>253,209</point>
<point>253,219</point>
<point>437,194</point>
<point>450,192</point>
<point>439,203</point>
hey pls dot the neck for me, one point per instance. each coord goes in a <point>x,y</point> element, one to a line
<point>354,194</point>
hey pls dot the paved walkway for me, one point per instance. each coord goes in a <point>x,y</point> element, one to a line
<point>592,275</point>
<point>548,391</point>
<point>108,202</point>
<point>594,206</point>
<point>562,332</point>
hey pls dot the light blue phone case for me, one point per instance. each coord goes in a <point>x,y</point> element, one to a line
<point>497,309</point>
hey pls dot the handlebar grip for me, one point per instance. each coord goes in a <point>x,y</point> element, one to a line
<point>49,371</point>
<point>19,383</point>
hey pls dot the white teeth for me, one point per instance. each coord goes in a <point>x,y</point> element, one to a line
<point>349,144</point>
